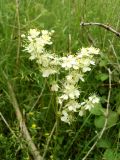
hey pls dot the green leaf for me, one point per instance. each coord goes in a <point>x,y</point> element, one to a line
<point>103,76</point>
<point>112,119</point>
<point>104,143</point>
<point>103,63</point>
<point>99,121</point>
<point>97,110</point>
<point>109,155</point>
<point>118,110</point>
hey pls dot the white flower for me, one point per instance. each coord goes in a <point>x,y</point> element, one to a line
<point>85,61</point>
<point>94,99</point>
<point>32,56</point>
<point>85,69</point>
<point>59,100</point>
<point>90,103</point>
<point>93,50</point>
<point>73,77</point>
<point>22,35</point>
<point>81,113</point>
<point>74,94</point>
<point>82,103</point>
<point>92,62</point>
<point>46,37</point>
<point>65,117</point>
<point>44,60</point>
<point>73,105</point>
<point>33,33</point>
<point>71,91</point>
<point>48,71</point>
<point>64,97</point>
<point>70,62</point>
<point>45,32</point>
<point>55,87</point>
<point>82,53</point>
<point>55,61</point>
<point>69,78</point>
<point>88,51</point>
<point>39,42</point>
<point>88,106</point>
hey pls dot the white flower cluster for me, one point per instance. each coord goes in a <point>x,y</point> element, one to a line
<point>73,106</point>
<point>74,67</point>
<point>36,42</point>
<point>82,60</point>
<point>88,104</point>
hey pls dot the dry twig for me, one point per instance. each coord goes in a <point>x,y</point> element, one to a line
<point>22,124</point>
<point>109,28</point>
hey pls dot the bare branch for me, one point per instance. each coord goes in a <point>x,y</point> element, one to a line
<point>109,28</point>
<point>22,124</point>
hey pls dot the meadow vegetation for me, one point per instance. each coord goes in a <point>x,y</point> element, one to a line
<point>30,116</point>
